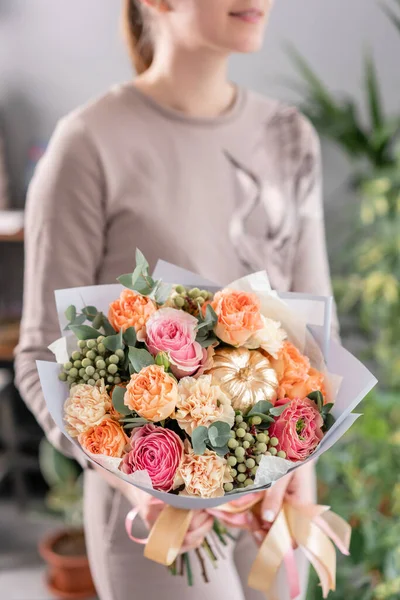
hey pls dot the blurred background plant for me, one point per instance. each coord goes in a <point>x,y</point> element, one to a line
<point>64,478</point>
<point>361,481</point>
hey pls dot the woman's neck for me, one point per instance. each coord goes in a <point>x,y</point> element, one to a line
<point>193,83</point>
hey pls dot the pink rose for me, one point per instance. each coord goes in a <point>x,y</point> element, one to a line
<point>298,428</point>
<point>174,332</point>
<point>156,450</point>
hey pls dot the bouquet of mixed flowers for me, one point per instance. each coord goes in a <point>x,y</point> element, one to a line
<point>196,394</point>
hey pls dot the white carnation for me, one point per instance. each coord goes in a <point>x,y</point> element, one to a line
<point>270,338</point>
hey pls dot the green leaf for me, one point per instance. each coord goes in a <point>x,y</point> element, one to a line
<point>108,328</point>
<point>56,468</point>
<point>373,93</point>
<point>199,439</point>
<point>205,342</point>
<point>141,260</point>
<point>79,320</point>
<point>98,321</point>
<point>329,420</point>
<point>327,408</point>
<point>392,16</point>
<point>70,313</point>
<point>221,450</point>
<point>264,418</point>
<point>84,332</point>
<point>318,398</point>
<point>140,358</point>
<point>276,411</point>
<point>114,342</point>
<point>126,280</point>
<point>90,312</point>
<point>219,434</point>
<point>130,336</point>
<point>118,400</point>
<point>260,408</point>
<point>162,292</point>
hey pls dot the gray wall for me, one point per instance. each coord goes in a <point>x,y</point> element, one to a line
<point>55,55</point>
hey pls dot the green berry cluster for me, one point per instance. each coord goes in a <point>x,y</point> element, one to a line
<point>188,299</point>
<point>92,363</point>
<point>247,446</point>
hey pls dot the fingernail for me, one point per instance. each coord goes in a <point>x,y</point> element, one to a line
<point>269,516</point>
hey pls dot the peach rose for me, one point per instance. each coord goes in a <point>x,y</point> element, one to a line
<point>86,406</point>
<point>202,403</point>
<point>203,475</point>
<point>238,314</point>
<point>107,438</point>
<point>152,393</point>
<point>296,377</point>
<point>131,310</point>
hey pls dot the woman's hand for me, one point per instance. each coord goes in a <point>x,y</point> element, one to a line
<point>150,509</point>
<point>297,486</point>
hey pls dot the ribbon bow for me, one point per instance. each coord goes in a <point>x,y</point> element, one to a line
<point>312,528</point>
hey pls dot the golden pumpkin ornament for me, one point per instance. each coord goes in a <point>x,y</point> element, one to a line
<point>246,376</point>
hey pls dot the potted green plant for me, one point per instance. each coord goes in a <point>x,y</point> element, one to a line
<point>64,551</point>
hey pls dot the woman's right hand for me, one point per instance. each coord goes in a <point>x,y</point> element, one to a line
<point>150,509</point>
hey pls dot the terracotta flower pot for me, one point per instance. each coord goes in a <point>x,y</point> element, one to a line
<point>68,574</point>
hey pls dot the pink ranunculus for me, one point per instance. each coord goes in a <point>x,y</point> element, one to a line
<point>298,428</point>
<point>174,332</point>
<point>156,450</point>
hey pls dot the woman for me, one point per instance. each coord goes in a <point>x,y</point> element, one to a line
<point>192,169</point>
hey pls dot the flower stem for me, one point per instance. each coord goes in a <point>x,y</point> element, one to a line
<point>202,565</point>
<point>188,569</point>
<point>217,529</point>
<point>210,552</point>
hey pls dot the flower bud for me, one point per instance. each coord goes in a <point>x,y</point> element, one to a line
<point>180,289</point>
<point>162,360</point>
<point>91,344</point>
<point>179,301</point>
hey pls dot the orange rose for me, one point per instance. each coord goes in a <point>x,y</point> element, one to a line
<point>239,316</point>
<point>107,438</point>
<point>152,393</point>
<point>296,377</point>
<point>131,310</point>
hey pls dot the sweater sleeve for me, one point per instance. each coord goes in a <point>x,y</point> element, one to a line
<point>63,248</point>
<point>311,267</point>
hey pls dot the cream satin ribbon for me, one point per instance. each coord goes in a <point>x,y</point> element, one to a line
<point>311,527</point>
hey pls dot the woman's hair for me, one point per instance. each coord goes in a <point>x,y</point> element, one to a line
<point>137,35</point>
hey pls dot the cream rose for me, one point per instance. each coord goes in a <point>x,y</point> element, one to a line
<point>270,338</point>
<point>202,403</point>
<point>86,406</point>
<point>203,475</point>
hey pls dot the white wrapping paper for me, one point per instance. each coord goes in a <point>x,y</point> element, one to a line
<point>305,318</point>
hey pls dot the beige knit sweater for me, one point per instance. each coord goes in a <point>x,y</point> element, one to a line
<point>221,197</point>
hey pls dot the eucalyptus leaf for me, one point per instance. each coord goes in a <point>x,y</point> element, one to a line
<point>129,336</point>
<point>163,292</point>
<point>221,450</point>
<point>90,312</point>
<point>264,418</point>
<point>114,342</point>
<point>327,408</point>
<point>219,434</point>
<point>118,400</point>
<point>141,260</point>
<point>98,321</point>
<point>79,320</point>
<point>84,332</point>
<point>126,280</point>
<point>206,341</point>
<point>276,411</point>
<point>261,407</point>
<point>140,358</point>
<point>199,439</point>
<point>70,313</point>
<point>108,328</point>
